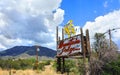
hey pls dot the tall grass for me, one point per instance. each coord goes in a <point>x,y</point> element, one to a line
<point>48,71</point>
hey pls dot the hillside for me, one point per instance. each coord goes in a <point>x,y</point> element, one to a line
<point>29,50</point>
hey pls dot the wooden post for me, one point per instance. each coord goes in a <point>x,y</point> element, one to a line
<point>88,49</point>
<point>56,37</point>
<point>62,34</point>
<point>58,58</point>
<point>63,65</point>
<point>83,51</point>
<point>63,59</point>
<point>58,64</point>
<point>88,44</point>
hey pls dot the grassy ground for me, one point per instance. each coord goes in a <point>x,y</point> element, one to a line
<point>28,72</point>
<point>48,71</point>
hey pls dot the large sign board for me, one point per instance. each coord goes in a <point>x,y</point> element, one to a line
<point>69,46</point>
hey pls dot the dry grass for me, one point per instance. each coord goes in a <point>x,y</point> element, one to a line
<point>4,72</point>
<point>48,71</point>
<point>28,72</point>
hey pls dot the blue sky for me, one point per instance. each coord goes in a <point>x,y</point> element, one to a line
<point>82,11</point>
<point>31,22</point>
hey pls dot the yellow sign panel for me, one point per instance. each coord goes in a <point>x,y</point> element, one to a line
<point>69,28</point>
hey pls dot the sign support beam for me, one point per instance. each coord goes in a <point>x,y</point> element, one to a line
<point>83,51</point>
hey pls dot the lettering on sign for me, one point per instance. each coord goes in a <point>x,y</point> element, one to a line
<point>69,46</point>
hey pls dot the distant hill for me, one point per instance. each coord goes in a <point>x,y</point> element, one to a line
<point>28,50</point>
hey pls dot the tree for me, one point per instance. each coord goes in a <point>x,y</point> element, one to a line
<point>99,39</point>
<point>104,54</point>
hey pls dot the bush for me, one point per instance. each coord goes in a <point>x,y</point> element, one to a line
<point>70,66</point>
<point>16,64</point>
<point>112,68</point>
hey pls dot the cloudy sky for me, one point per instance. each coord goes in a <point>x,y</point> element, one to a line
<point>30,22</point>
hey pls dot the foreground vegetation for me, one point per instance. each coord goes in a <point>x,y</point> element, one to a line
<point>112,68</point>
<point>29,64</point>
<point>22,64</point>
<point>73,66</point>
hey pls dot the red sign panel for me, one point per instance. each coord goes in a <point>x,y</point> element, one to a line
<point>69,46</point>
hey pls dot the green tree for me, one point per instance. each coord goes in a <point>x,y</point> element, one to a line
<point>99,39</point>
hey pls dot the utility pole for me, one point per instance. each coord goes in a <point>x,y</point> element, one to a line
<point>110,35</point>
<point>110,38</point>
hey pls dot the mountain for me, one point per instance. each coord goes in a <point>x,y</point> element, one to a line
<point>28,50</point>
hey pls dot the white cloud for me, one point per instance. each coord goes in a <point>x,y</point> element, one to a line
<point>28,21</point>
<point>57,17</point>
<point>2,47</point>
<point>103,23</point>
<point>6,42</point>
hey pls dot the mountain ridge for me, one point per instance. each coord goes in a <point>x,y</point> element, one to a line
<point>30,50</point>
